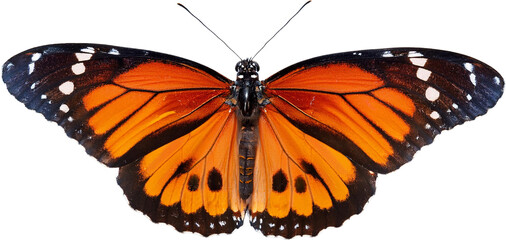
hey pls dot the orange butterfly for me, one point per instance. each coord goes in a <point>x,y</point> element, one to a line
<point>297,152</point>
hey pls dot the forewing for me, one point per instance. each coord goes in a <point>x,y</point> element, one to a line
<point>378,107</point>
<point>119,103</point>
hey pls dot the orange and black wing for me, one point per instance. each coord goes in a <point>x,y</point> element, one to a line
<point>147,113</point>
<point>334,122</point>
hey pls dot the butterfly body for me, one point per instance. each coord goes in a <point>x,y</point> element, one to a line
<point>298,152</point>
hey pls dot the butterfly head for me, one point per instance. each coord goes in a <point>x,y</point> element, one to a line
<point>247,66</point>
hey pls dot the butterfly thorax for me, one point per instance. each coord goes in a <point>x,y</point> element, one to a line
<point>246,87</point>
<point>246,92</point>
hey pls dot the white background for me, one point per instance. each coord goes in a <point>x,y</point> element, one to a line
<point>454,189</point>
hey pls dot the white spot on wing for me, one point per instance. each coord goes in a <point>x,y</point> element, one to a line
<point>83,56</point>
<point>66,87</point>
<point>455,106</point>
<point>88,50</point>
<point>33,85</point>
<point>64,108</point>
<point>423,74</point>
<point>469,97</point>
<point>434,115</point>
<point>472,77</point>
<point>70,119</point>
<point>414,54</point>
<point>222,223</point>
<point>78,68</point>
<point>36,56</point>
<point>113,51</point>
<point>418,61</point>
<point>431,94</point>
<point>469,67</point>
<point>9,66</point>
<point>43,96</point>
<point>496,79</point>
<point>427,126</point>
<point>281,228</point>
<point>387,54</point>
<point>31,67</point>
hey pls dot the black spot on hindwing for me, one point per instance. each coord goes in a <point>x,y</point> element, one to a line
<point>183,168</point>
<point>300,185</point>
<point>279,181</point>
<point>193,183</point>
<point>214,180</point>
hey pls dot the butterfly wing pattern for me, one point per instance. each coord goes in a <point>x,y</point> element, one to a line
<point>326,127</point>
<point>150,114</point>
<point>342,118</point>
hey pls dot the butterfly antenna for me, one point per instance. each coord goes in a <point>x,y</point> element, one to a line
<point>281,28</point>
<point>181,5</point>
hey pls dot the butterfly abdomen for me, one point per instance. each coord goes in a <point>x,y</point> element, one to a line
<point>247,153</point>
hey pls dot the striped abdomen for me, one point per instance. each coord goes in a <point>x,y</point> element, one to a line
<point>247,152</point>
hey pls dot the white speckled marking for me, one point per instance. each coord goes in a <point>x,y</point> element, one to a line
<point>113,51</point>
<point>414,54</point>
<point>9,66</point>
<point>423,74</point>
<point>469,97</point>
<point>431,94</point>
<point>88,50</point>
<point>31,67</point>
<point>36,56</point>
<point>387,54</point>
<point>496,79</point>
<point>222,223</point>
<point>33,85</point>
<point>472,77</point>
<point>66,87</point>
<point>427,126</point>
<point>43,96</point>
<point>78,68</point>
<point>455,106</point>
<point>64,108</point>
<point>434,115</point>
<point>83,56</point>
<point>70,119</point>
<point>469,67</point>
<point>418,61</point>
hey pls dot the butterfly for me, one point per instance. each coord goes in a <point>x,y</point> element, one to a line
<point>298,152</point>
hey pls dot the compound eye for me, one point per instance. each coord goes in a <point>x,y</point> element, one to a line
<point>255,66</point>
<point>238,66</point>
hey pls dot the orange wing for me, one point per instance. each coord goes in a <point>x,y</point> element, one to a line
<point>162,118</point>
<point>191,182</point>
<point>119,103</point>
<point>333,122</point>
